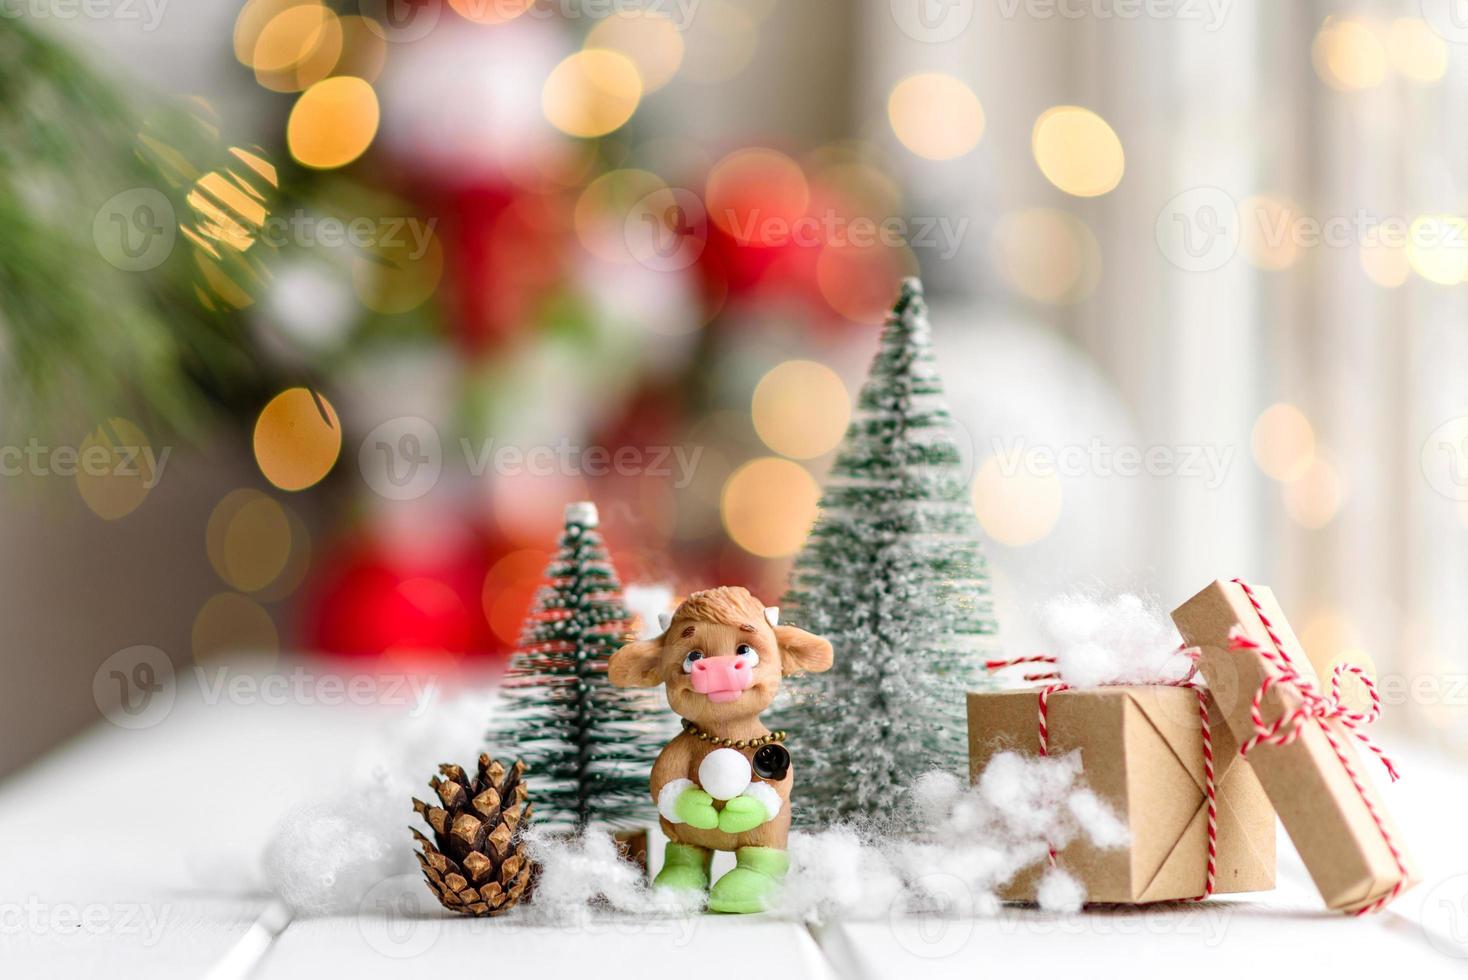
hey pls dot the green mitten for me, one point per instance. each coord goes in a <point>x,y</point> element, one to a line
<point>742,813</point>
<point>696,808</point>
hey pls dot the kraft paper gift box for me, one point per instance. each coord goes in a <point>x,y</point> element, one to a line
<point>1355,857</point>
<point>1142,751</point>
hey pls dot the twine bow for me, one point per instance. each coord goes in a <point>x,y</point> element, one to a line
<point>1322,710</point>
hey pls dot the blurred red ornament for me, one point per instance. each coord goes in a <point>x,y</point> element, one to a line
<point>364,601</point>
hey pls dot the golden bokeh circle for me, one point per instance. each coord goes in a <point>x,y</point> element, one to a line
<point>591,93</point>
<point>297,48</point>
<point>1048,255</point>
<point>333,122</point>
<point>1348,55</point>
<point>116,469</point>
<point>490,11</point>
<point>298,438</point>
<point>800,409</point>
<point>648,37</point>
<point>230,623</point>
<point>249,540</point>
<point>768,506</point>
<point>1078,151</point>
<point>1283,441</point>
<point>1315,497</point>
<point>936,116</point>
<point>1017,507</point>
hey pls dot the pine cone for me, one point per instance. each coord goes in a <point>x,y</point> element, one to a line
<point>479,866</point>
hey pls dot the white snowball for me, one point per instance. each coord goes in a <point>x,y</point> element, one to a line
<point>1059,891</point>
<point>724,773</point>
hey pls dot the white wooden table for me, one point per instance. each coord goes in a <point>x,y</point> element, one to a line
<point>135,854</point>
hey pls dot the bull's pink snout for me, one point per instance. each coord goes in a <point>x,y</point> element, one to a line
<point>723,679</point>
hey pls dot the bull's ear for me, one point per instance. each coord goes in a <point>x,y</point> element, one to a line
<point>637,665</point>
<point>801,651</point>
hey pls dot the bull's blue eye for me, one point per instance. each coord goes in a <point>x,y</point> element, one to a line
<point>688,660</point>
<point>746,653</point>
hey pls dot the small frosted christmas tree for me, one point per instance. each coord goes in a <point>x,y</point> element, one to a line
<point>587,744</point>
<point>894,576</point>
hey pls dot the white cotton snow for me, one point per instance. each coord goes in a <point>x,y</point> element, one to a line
<point>963,845</point>
<point>1060,891</point>
<point>959,846</point>
<point>322,858</point>
<point>1125,640</point>
<point>585,872</point>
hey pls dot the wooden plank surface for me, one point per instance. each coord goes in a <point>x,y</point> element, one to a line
<point>605,947</point>
<point>136,854</point>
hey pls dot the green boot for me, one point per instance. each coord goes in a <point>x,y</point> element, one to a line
<point>685,867</point>
<point>752,885</point>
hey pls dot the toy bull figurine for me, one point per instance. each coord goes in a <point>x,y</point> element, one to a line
<point>724,783</point>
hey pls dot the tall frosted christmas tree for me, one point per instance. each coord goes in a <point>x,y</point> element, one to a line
<point>894,576</point>
<point>587,744</point>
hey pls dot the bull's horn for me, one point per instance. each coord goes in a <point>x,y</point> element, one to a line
<point>664,621</point>
<point>772,613</point>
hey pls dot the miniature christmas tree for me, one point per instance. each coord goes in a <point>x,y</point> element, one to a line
<point>587,745</point>
<point>894,576</point>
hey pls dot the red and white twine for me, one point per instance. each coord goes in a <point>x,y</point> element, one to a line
<point>1210,792</point>
<point>1322,709</point>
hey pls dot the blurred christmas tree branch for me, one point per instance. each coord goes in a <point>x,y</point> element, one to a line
<point>82,336</point>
